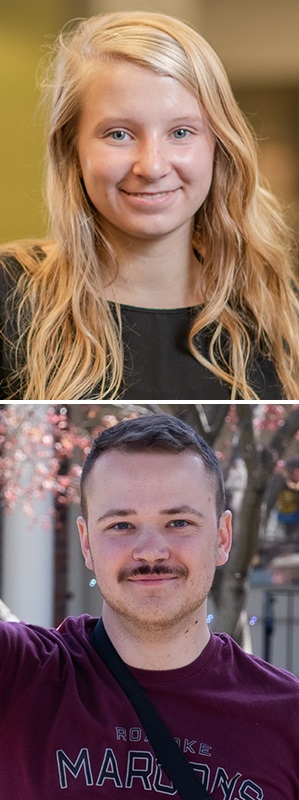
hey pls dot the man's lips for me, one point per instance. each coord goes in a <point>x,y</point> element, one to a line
<point>152,578</point>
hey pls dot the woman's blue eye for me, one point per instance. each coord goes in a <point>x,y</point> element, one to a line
<point>118,136</point>
<point>181,133</point>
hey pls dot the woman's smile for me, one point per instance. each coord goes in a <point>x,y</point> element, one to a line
<point>147,199</point>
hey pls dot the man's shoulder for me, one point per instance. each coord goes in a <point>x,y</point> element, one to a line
<point>42,641</point>
<point>251,670</point>
<point>35,658</point>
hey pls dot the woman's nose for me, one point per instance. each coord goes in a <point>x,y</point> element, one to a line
<point>151,161</point>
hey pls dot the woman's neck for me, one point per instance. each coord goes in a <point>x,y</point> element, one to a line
<point>157,274</point>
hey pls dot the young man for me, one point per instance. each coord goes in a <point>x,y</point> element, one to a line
<point>153,529</point>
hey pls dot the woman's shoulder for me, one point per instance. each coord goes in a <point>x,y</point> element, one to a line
<point>24,251</point>
<point>21,257</point>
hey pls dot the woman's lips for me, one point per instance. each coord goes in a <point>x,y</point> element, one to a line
<point>151,197</point>
<point>149,194</point>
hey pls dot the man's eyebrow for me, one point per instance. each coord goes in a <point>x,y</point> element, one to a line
<point>169,512</point>
<point>117,512</point>
<point>182,510</point>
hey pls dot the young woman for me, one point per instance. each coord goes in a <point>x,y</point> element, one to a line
<point>169,271</point>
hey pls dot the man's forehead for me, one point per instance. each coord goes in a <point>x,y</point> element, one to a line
<point>117,458</point>
<point>126,468</point>
<point>137,479</point>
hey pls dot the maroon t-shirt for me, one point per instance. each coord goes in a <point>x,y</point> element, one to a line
<point>68,731</point>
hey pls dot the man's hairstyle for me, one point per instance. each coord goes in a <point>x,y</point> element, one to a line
<point>159,433</point>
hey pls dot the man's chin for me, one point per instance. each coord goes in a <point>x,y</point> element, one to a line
<point>153,619</point>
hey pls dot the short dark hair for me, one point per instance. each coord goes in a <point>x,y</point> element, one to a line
<point>160,433</point>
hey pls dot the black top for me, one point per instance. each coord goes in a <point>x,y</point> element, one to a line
<point>158,364</point>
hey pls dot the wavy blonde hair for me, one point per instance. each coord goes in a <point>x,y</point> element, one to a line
<point>72,339</point>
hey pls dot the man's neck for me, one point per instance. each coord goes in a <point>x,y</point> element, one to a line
<point>166,649</point>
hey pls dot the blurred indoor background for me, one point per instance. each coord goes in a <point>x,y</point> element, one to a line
<point>257,40</point>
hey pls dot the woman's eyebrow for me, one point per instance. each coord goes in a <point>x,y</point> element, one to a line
<point>123,119</point>
<point>188,117</point>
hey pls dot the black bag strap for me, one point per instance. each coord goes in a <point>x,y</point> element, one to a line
<point>169,755</point>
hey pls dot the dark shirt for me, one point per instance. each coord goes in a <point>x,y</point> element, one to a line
<point>67,729</point>
<point>157,362</point>
<point>159,365</point>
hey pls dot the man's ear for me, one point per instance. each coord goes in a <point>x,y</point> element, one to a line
<point>224,537</point>
<point>84,541</point>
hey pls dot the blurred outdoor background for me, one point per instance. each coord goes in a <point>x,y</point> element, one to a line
<point>257,42</point>
<point>255,597</point>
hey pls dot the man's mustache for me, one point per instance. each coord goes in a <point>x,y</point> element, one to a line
<point>157,569</point>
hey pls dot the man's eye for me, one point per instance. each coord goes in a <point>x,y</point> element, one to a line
<point>121,526</point>
<point>179,523</point>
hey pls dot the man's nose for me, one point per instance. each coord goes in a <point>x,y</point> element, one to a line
<point>151,161</point>
<point>151,546</point>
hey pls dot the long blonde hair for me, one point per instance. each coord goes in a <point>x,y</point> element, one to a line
<point>72,339</point>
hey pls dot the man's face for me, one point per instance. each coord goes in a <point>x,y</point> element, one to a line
<point>152,536</point>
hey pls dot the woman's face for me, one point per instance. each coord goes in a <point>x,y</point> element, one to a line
<point>145,150</point>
